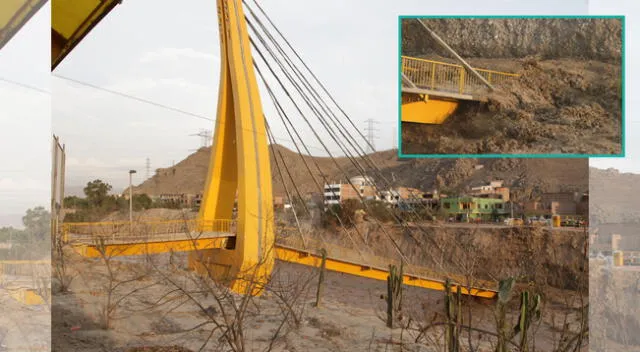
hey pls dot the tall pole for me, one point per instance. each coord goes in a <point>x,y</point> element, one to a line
<point>511,209</point>
<point>54,163</point>
<point>131,172</point>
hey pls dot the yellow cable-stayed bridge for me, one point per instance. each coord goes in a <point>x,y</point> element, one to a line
<point>240,161</point>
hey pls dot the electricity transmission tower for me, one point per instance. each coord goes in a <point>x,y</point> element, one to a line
<point>205,138</point>
<point>371,134</point>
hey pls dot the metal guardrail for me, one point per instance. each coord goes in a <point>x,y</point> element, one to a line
<point>24,267</point>
<point>443,76</point>
<point>159,230</point>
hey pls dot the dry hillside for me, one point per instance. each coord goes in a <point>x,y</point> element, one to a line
<point>614,196</point>
<point>615,207</point>
<point>541,175</point>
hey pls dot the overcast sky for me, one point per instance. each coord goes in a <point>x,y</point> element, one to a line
<point>631,9</point>
<point>25,131</point>
<point>172,57</point>
<point>169,54</point>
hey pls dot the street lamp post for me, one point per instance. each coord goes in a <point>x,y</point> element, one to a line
<point>131,172</point>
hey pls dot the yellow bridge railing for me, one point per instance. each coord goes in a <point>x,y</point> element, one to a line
<point>24,267</point>
<point>442,76</point>
<point>144,230</point>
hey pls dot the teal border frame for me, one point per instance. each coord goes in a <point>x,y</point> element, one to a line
<point>476,156</point>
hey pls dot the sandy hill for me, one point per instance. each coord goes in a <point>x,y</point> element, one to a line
<point>614,197</point>
<point>542,175</point>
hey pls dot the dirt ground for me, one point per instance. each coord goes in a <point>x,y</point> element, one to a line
<point>23,328</point>
<point>556,106</point>
<point>349,319</point>
<point>616,324</point>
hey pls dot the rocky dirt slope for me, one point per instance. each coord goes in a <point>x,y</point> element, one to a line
<point>614,209</point>
<point>567,99</point>
<point>591,39</point>
<point>615,317</point>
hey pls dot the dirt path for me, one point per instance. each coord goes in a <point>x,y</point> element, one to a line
<point>350,318</point>
<point>23,328</point>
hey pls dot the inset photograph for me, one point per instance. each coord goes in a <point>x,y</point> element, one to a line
<point>518,86</point>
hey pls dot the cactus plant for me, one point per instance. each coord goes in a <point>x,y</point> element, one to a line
<point>529,311</point>
<point>453,310</point>
<point>394,292</point>
<point>321,276</point>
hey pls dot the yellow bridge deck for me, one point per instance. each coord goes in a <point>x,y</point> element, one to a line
<point>112,244</point>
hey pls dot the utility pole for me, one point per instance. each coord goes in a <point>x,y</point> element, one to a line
<point>148,168</point>
<point>57,186</point>
<point>511,208</point>
<point>131,172</point>
<point>371,130</point>
<point>54,177</point>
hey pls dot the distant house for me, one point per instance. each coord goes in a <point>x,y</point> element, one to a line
<point>365,189</point>
<point>182,200</point>
<point>359,187</point>
<point>559,203</point>
<point>469,208</point>
<point>494,189</point>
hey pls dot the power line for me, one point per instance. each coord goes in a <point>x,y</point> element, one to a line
<point>136,98</point>
<point>23,85</point>
<point>162,106</point>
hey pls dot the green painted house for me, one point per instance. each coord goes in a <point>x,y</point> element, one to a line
<point>473,208</point>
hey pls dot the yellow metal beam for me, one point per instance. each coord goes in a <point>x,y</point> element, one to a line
<point>14,14</point>
<point>202,260</point>
<point>71,21</point>
<point>306,258</point>
<point>115,250</point>
<point>239,161</point>
<point>423,109</point>
<point>24,262</point>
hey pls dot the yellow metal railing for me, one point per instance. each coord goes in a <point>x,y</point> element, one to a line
<point>23,267</point>
<point>162,230</point>
<point>436,75</point>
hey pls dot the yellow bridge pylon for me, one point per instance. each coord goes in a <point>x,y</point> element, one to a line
<point>239,162</point>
